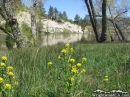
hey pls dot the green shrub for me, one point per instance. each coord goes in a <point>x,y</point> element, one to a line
<point>9,42</point>
<point>66,30</point>
<point>26,30</point>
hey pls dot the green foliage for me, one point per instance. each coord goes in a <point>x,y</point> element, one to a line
<point>66,30</point>
<point>40,8</point>
<point>51,11</point>
<point>8,81</point>
<point>55,12</point>
<point>102,60</point>
<point>26,30</point>
<point>9,42</point>
<point>60,15</point>
<point>77,18</point>
<point>7,27</point>
<point>39,26</point>
<point>70,71</point>
<point>65,17</point>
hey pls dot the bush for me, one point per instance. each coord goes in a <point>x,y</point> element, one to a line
<point>66,30</point>
<point>9,42</point>
<point>26,30</point>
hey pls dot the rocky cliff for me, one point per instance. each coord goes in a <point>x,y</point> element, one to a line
<point>50,25</point>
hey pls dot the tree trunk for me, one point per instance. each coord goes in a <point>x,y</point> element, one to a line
<point>20,40</point>
<point>92,18</point>
<point>33,22</point>
<point>120,32</point>
<point>15,33</point>
<point>104,22</point>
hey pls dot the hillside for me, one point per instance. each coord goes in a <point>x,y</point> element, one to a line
<point>49,25</point>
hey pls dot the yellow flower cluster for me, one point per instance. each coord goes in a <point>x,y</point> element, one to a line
<point>78,65</point>
<point>64,51</point>
<point>83,59</point>
<point>106,79</point>
<point>15,83</point>
<point>67,45</point>
<point>2,64</point>
<point>72,61</point>
<point>1,80</point>
<point>71,50</point>
<point>5,76</point>
<point>4,58</point>
<point>71,79</point>
<point>74,70</point>
<point>8,86</point>
<point>10,74</point>
<point>49,63</point>
<point>9,68</point>
<point>83,71</point>
<point>70,69</point>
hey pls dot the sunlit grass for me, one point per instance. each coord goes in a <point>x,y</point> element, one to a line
<point>31,67</point>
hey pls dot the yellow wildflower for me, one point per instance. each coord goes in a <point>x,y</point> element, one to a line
<point>64,51</point>
<point>59,57</point>
<point>4,58</point>
<point>8,86</point>
<point>84,59</point>
<point>1,79</point>
<point>9,68</point>
<point>50,63</point>
<point>10,74</point>
<point>78,65</point>
<point>71,79</point>
<point>71,50</point>
<point>72,61</point>
<point>83,71</point>
<point>2,64</point>
<point>74,70</point>
<point>106,79</point>
<point>15,83</point>
<point>67,45</point>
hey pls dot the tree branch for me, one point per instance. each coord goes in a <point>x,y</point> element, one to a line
<point>121,13</point>
<point>7,32</point>
<point>2,13</point>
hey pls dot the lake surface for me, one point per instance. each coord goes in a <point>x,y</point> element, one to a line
<point>56,38</point>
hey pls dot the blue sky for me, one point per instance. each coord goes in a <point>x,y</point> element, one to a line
<point>72,7</point>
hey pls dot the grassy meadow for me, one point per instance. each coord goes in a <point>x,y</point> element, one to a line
<point>37,79</point>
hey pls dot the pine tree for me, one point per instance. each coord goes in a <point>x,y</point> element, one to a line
<point>65,15</point>
<point>40,8</point>
<point>55,12</point>
<point>77,19</point>
<point>60,15</point>
<point>51,11</point>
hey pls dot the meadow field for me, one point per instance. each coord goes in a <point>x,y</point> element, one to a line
<point>38,78</point>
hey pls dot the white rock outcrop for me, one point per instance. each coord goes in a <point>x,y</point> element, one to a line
<point>49,25</point>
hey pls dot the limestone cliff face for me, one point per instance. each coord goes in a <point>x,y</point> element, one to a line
<point>49,25</point>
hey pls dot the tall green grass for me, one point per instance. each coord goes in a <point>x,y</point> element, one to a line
<point>36,79</point>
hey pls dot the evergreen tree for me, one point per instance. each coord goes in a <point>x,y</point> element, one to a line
<point>40,8</point>
<point>65,15</point>
<point>60,15</point>
<point>51,11</point>
<point>77,19</point>
<point>55,12</point>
